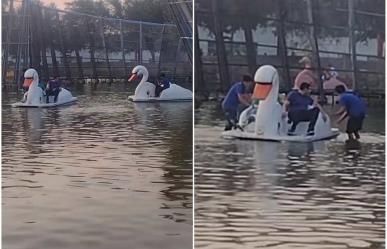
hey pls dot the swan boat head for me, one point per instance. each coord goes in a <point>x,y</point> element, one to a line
<point>35,93</point>
<point>268,117</point>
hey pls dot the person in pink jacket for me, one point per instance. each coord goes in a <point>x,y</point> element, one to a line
<point>306,75</point>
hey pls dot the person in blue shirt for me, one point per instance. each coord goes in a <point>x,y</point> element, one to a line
<point>53,89</point>
<point>162,83</point>
<point>300,107</point>
<point>237,99</point>
<point>354,107</point>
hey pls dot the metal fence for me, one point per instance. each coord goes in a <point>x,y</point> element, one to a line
<point>235,37</point>
<point>79,46</point>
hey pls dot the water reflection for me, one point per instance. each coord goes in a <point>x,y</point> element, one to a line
<point>251,194</point>
<point>104,173</point>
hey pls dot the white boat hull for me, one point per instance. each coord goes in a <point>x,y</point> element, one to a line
<point>46,105</point>
<point>299,138</point>
<point>157,99</point>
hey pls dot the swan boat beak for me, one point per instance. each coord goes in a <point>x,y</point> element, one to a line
<point>262,90</point>
<point>28,81</point>
<point>133,77</point>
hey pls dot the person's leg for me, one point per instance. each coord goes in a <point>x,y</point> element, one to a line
<point>48,94</point>
<point>231,117</point>
<point>350,136</point>
<point>351,127</point>
<point>312,117</point>
<point>295,119</point>
<point>359,124</point>
<point>157,91</point>
<point>56,93</point>
<point>357,136</point>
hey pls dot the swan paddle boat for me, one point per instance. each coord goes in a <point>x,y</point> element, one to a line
<point>145,91</point>
<point>35,96</point>
<point>265,122</point>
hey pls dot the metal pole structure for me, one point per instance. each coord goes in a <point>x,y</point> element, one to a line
<point>282,37</point>
<point>140,44</point>
<point>176,59</point>
<point>43,36</point>
<point>106,49</point>
<point>314,43</point>
<point>220,48</point>
<point>352,40</point>
<point>200,84</point>
<point>161,47</point>
<point>63,48</point>
<point>22,34</point>
<point>123,50</point>
<point>8,40</point>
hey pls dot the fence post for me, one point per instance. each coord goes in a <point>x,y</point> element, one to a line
<point>140,44</point>
<point>123,50</point>
<point>220,48</point>
<point>63,48</point>
<point>105,48</point>
<point>282,44</point>
<point>314,43</point>
<point>352,40</point>
<point>161,47</point>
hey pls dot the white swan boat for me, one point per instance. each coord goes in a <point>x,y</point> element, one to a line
<point>145,91</point>
<point>35,96</point>
<point>265,121</point>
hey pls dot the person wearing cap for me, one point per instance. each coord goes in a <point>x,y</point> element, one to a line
<point>162,83</point>
<point>306,75</point>
<point>299,107</point>
<point>237,99</point>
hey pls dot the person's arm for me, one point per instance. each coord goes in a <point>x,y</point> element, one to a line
<point>341,110</point>
<point>285,108</point>
<point>342,117</point>
<point>243,99</point>
<point>323,112</point>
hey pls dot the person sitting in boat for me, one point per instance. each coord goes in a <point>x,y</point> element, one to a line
<point>306,75</point>
<point>162,83</point>
<point>300,106</point>
<point>354,107</point>
<point>330,80</point>
<point>53,89</point>
<point>236,100</point>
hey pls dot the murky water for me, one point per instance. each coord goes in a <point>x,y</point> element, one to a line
<point>104,173</point>
<point>251,194</point>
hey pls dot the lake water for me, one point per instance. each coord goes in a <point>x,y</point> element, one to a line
<point>252,194</point>
<point>104,173</point>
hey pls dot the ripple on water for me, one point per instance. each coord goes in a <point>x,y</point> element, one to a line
<point>319,195</point>
<point>104,173</point>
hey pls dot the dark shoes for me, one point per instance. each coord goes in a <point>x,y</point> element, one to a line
<point>291,133</point>
<point>228,127</point>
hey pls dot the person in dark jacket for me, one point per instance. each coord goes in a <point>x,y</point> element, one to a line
<point>53,89</point>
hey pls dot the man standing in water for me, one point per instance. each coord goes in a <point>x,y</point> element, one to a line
<point>236,100</point>
<point>354,107</point>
